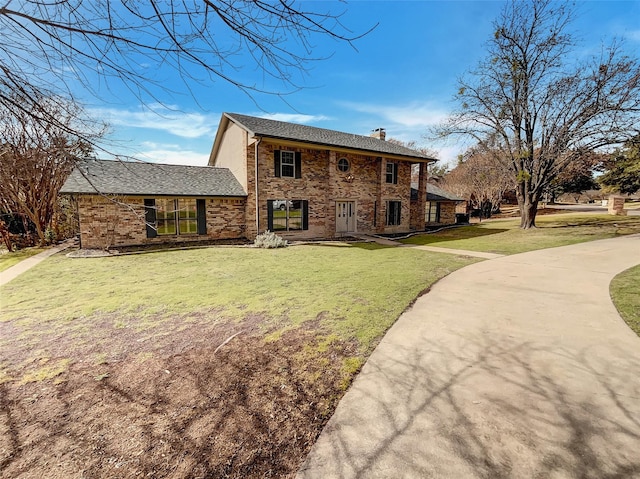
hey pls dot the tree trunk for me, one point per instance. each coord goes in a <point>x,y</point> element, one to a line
<point>528,211</point>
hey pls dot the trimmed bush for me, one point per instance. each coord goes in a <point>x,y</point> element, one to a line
<point>269,239</point>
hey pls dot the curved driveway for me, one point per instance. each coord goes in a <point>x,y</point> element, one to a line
<point>517,367</point>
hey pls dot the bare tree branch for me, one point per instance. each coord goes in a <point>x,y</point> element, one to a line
<point>541,109</point>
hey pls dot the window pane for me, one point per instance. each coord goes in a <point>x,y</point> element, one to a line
<point>279,215</point>
<point>295,215</point>
<point>187,216</point>
<point>188,226</point>
<point>166,216</point>
<point>287,164</point>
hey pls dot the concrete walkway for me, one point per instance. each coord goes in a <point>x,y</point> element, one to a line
<point>26,264</point>
<point>436,249</point>
<point>518,367</point>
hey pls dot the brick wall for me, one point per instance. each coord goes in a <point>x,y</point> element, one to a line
<point>322,184</point>
<point>447,214</point>
<point>114,221</point>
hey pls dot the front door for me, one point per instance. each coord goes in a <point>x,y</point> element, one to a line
<point>345,216</point>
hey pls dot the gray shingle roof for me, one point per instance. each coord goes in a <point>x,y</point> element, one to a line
<point>137,178</point>
<point>434,193</point>
<point>320,136</point>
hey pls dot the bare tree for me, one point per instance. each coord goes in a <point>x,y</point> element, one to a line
<point>53,48</point>
<point>35,160</point>
<point>540,109</point>
<point>481,178</point>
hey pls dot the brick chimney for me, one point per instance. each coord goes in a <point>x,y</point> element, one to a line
<point>379,133</point>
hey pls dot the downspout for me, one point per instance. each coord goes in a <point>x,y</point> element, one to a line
<point>76,204</point>
<point>256,185</point>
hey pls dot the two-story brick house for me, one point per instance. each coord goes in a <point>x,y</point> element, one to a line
<point>297,180</point>
<point>303,181</point>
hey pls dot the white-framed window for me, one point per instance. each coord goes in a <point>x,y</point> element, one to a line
<point>287,164</point>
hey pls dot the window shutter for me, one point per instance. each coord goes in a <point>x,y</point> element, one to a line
<point>305,215</point>
<point>276,162</point>
<point>269,215</point>
<point>150,217</point>
<point>395,173</point>
<point>298,164</point>
<point>201,206</point>
<point>438,204</point>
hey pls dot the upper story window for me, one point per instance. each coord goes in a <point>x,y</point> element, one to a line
<point>287,164</point>
<point>392,172</point>
<point>343,165</point>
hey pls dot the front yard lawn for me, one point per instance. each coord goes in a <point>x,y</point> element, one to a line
<point>506,237</point>
<point>216,362</point>
<point>625,294</point>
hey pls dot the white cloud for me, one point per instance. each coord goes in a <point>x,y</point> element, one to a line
<point>293,117</point>
<point>170,154</point>
<point>175,122</point>
<point>173,157</point>
<point>411,115</point>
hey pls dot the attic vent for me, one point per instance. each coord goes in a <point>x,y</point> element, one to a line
<point>379,133</point>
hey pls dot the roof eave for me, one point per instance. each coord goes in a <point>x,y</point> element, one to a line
<point>285,140</point>
<point>147,194</point>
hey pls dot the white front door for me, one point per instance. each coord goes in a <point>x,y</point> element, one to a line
<point>345,216</point>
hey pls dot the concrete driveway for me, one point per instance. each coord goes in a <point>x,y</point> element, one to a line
<point>516,367</point>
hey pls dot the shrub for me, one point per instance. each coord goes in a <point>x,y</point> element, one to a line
<point>269,239</point>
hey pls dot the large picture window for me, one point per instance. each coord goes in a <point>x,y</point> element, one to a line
<point>287,215</point>
<point>394,213</point>
<point>175,216</point>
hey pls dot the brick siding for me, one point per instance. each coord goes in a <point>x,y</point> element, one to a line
<point>113,221</point>
<point>322,185</point>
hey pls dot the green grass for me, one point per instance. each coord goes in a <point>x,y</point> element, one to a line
<point>358,290</point>
<point>8,259</point>
<point>624,293</point>
<point>506,237</point>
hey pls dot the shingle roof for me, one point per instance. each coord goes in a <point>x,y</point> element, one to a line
<point>320,136</point>
<point>138,178</point>
<point>434,193</point>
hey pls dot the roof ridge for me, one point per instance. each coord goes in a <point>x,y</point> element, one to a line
<point>268,127</point>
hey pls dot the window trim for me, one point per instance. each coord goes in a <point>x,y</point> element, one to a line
<point>343,161</point>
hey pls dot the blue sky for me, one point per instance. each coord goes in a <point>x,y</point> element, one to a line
<point>402,78</point>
